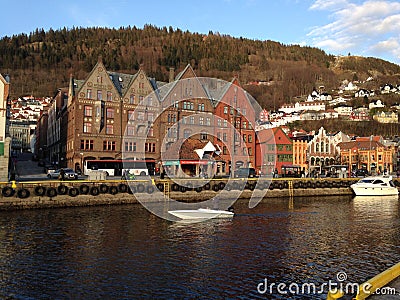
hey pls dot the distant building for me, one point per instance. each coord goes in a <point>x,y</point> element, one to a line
<point>4,134</point>
<point>367,153</point>
<point>386,117</point>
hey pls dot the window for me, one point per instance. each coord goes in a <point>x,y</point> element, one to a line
<point>244,124</point>
<point>226,110</point>
<point>150,147</point>
<point>86,144</point>
<point>109,145</point>
<point>203,136</point>
<point>141,99</point>
<point>99,95</point>
<point>225,123</point>
<point>110,113</point>
<point>224,150</point>
<point>244,151</point>
<point>232,110</point>
<point>89,94</point>
<point>150,117</point>
<point>130,146</point>
<point>186,133</point>
<point>130,130</point>
<point>151,131</point>
<point>218,135</point>
<point>132,99</point>
<point>224,137</point>
<point>131,115</point>
<point>201,121</point>
<point>88,111</point>
<point>201,106</point>
<point>99,79</point>
<point>250,138</point>
<point>244,138</point>
<point>219,122</point>
<point>110,129</point>
<point>250,151</point>
<point>87,127</point>
<point>109,96</point>
<point>140,116</point>
<point>191,119</point>
<point>208,121</point>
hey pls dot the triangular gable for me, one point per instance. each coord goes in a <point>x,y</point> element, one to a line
<point>139,85</point>
<point>184,87</point>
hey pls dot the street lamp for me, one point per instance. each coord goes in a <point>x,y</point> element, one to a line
<point>81,166</point>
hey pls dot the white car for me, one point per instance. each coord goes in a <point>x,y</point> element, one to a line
<point>68,175</point>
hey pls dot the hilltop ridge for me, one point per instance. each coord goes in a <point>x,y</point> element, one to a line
<point>41,62</point>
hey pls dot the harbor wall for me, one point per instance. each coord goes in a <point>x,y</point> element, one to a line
<point>56,194</point>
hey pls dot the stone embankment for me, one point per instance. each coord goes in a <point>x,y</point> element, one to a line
<point>51,194</point>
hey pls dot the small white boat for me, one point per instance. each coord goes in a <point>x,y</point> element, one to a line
<point>375,186</point>
<point>201,213</point>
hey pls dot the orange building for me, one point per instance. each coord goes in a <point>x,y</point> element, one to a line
<point>367,154</point>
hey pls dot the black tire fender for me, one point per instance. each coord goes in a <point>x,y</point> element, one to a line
<point>140,188</point>
<point>73,192</point>
<point>62,189</point>
<point>7,191</point>
<point>23,193</point>
<point>122,188</point>
<point>160,187</point>
<point>51,192</point>
<point>150,189</point>
<point>94,191</point>
<point>103,188</point>
<point>39,190</point>
<point>113,190</point>
<point>84,189</point>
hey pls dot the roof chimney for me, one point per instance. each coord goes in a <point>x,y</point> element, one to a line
<point>171,74</point>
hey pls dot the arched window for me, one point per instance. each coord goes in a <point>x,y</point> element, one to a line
<point>322,147</point>
<point>317,147</point>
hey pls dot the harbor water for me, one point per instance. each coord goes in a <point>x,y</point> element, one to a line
<point>124,252</point>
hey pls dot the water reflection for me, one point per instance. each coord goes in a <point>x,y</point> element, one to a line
<point>125,252</point>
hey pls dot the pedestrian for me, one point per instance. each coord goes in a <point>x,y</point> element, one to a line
<point>62,174</point>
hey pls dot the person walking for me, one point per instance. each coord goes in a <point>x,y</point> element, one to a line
<point>62,174</point>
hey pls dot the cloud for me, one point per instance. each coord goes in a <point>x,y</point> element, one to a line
<point>368,28</point>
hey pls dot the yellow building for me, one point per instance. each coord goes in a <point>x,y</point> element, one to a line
<point>386,117</point>
<point>300,154</point>
<point>370,155</point>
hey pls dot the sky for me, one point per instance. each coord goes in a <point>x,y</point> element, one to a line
<point>339,27</point>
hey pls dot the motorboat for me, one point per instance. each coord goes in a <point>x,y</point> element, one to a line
<point>201,213</point>
<point>375,186</point>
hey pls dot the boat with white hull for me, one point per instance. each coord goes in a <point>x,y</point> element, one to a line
<point>201,213</point>
<point>375,186</point>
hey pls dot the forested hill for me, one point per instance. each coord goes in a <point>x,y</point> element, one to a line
<point>40,62</point>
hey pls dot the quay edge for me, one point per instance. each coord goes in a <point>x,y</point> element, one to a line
<point>114,194</point>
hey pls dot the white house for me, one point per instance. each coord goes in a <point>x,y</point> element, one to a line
<point>376,104</point>
<point>344,110</point>
<point>300,106</point>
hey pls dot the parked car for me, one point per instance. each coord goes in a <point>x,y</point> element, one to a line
<point>69,174</point>
<point>49,170</point>
<point>245,173</point>
<point>360,173</point>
